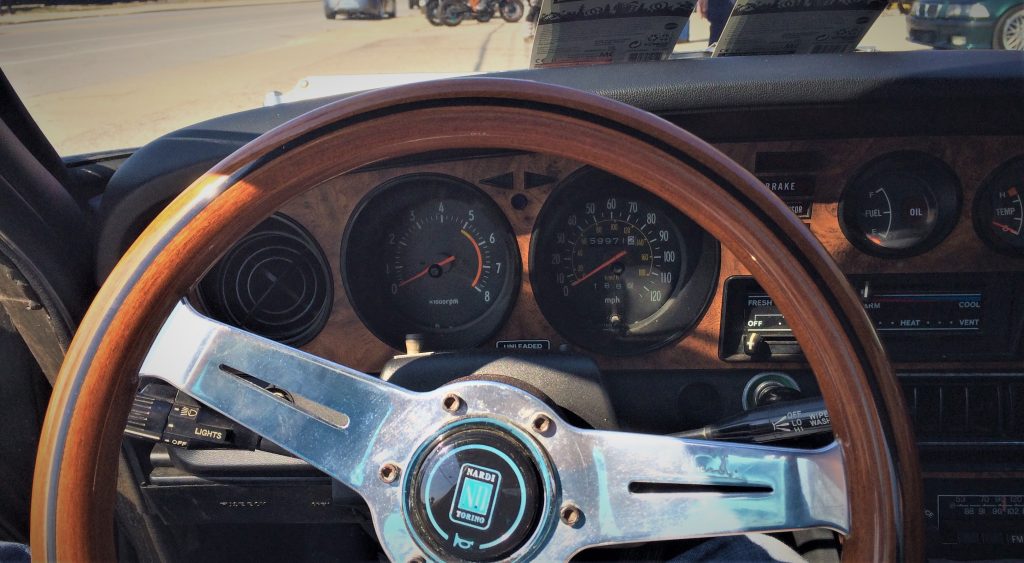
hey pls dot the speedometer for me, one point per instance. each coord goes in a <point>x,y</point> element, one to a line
<point>623,264</point>
<point>616,270</point>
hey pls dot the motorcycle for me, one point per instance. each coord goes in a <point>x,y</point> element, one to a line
<point>904,6</point>
<point>452,12</point>
<point>432,10</point>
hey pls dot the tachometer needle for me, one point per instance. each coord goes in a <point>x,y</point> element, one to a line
<point>426,270</point>
<point>603,265</point>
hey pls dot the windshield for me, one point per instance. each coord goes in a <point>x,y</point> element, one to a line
<point>108,76</point>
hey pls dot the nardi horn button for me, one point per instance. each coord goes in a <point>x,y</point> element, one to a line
<point>476,496</point>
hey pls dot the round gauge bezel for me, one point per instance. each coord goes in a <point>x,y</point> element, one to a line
<point>370,303</point>
<point>983,196</point>
<point>935,174</point>
<point>214,298</point>
<point>682,310</point>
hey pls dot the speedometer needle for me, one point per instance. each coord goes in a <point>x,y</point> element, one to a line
<point>426,270</point>
<point>603,265</point>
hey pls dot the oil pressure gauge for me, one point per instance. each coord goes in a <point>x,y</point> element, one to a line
<point>900,205</point>
<point>999,208</point>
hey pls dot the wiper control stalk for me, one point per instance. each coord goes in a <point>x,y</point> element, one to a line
<point>774,422</point>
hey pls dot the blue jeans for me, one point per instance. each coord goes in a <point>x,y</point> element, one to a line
<point>718,14</point>
<point>14,553</point>
<point>726,548</point>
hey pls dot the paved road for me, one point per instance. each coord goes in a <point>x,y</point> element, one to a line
<point>121,80</point>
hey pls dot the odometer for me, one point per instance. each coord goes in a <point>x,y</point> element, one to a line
<point>431,255</point>
<point>616,270</point>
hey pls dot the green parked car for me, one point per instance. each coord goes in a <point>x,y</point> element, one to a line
<point>986,24</point>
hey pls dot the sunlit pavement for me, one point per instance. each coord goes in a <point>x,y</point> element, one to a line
<point>28,12</point>
<point>121,81</point>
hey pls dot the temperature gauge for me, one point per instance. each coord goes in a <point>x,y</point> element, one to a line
<point>900,205</point>
<point>998,209</point>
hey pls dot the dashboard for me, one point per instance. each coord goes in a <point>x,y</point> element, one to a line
<point>528,252</point>
<point>907,170</point>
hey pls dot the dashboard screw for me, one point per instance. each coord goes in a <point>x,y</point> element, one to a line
<point>542,423</point>
<point>571,515</point>
<point>389,472</point>
<point>451,402</point>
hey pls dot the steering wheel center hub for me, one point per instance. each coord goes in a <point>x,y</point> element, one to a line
<point>477,494</point>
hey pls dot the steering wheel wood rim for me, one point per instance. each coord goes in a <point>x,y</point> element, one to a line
<point>73,491</point>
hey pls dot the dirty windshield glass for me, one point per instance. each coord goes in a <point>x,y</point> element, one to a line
<point>101,75</point>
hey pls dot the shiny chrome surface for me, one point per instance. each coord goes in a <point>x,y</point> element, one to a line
<point>1013,32</point>
<point>597,469</point>
<point>629,487</point>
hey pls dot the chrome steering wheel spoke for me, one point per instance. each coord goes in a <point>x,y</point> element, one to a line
<point>327,414</point>
<point>638,487</point>
<point>563,489</point>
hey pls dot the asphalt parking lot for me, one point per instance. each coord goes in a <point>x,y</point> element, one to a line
<point>120,77</point>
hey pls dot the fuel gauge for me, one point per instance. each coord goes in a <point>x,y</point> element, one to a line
<point>998,208</point>
<point>900,205</point>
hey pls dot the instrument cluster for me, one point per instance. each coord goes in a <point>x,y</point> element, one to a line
<point>546,251</point>
<point>613,269</point>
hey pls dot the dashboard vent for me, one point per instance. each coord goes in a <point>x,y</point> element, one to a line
<point>274,282</point>
<point>957,411</point>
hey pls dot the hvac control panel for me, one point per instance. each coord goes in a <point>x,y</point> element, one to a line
<point>928,317</point>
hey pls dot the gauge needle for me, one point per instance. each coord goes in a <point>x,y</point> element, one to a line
<point>1006,228</point>
<point>603,265</point>
<point>424,271</point>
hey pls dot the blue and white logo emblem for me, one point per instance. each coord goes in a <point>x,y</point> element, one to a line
<point>475,496</point>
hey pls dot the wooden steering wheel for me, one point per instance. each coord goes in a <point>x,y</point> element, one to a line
<point>389,444</point>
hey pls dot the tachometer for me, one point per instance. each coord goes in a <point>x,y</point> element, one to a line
<point>616,270</point>
<point>430,255</point>
<point>999,208</point>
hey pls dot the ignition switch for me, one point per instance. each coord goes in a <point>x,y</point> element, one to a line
<point>769,387</point>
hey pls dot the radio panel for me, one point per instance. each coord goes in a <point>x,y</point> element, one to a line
<point>974,519</point>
